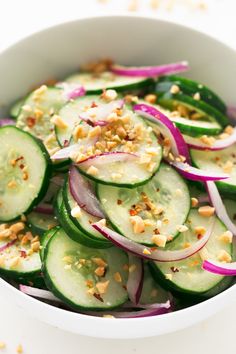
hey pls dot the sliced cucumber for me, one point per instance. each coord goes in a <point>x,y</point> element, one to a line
<point>24,172</point>
<point>16,107</point>
<point>190,87</point>
<point>41,222</point>
<point>70,116</point>
<point>187,275</point>
<point>168,195</point>
<point>219,161</point>
<point>231,209</point>
<point>96,83</point>
<point>152,292</point>
<point>18,260</point>
<point>69,270</point>
<point>85,220</point>
<point>37,111</point>
<point>205,111</point>
<point>45,239</point>
<point>132,173</point>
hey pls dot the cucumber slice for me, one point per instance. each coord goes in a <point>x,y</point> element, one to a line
<point>190,87</point>
<point>219,161</point>
<point>70,116</point>
<point>152,292</point>
<point>41,222</point>
<point>187,276</point>
<point>45,239</point>
<point>37,111</point>
<point>231,209</point>
<point>15,109</point>
<point>25,172</point>
<point>85,220</point>
<point>205,111</point>
<point>69,270</point>
<point>167,190</point>
<point>18,260</point>
<point>96,83</point>
<point>130,174</point>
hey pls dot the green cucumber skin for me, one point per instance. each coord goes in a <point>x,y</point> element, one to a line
<point>201,105</point>
<point>13,274</point>
<point>45,238</point>
<point>183,293</point>
<point>54,290</point>
<point>76,234</point>
<point>85,234</point>
<point>15,108</point>
<point>197,131</point>
<point>190,87</point>
<point>47,174</point>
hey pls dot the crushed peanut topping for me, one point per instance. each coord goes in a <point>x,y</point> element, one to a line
<point>224,256</point>
<point>228,166</point>
<point>146,251</point>
<point>226,237</point>
<point>197,96</point>
<point>138,224</point>
<point>132,268</point>
<point>206,211</point>
<point>99,262</point>
<point>174,89</point>
<point>76,212</point>
<point>79,133</point>
<point>200,230</point>
<point>159,240</point>
<point>59,122</point>
<point>208,140</point>
<point>150,98</point>
<point>100,271</point>
<point>182,228</point>
<point>117,277</point>
<point>102,286</point>
<point>109,95</point>
<point>229,129</point>
<point>93,171</point>
<point>169,276</point>
<point>194,202</point>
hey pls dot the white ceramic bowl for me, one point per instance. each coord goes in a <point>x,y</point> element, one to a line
<point>57,51</point>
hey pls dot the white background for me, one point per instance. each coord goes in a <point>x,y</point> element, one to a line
<point>18,18</point>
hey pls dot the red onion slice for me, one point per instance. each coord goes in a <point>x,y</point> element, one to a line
<point>71,91</point>
<point>98,115</point>
<point>7,245</point>
<point>159,309</point>
<point>196,174</point>
<point>108,157</point>
<point>6,121</point>
<point>135,279</point>
<point>220,209</point>
<point>150,71</point>
<point>44,208</point>
<point>226,269</point>
<point>39,293</point>
<point>148,253</point>
<point>220,144</point>
<point>83,194</point>
<point>167,128</point>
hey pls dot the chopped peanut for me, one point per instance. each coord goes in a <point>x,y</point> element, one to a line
<point>146,251</point>
<point>182,228</point>
<point>35,246</point>
<point>117,277</point>
<point>194,202</point>
<point>224,256</point>
<point>132,268</point>
<point>159,240</point>
<point>102,286</point>
<point>174,89</point>
<point>92,171</point>
<point>226,237</point>
<point>16,228</point>
<point>169,276</point>
<point>14,262</point>
<point>228,167</point>
<point>68,259</point>
<point>58,122</point>
<point>151,98</point>
<point>206,211</point>
<point>96,131</point>
<point>12,184</point>
<point>229,130</point>
<point>109,95</point>
<point>138,224</point>
<point>197,96</point>
<point>200,230</point>
<point>99,262</point>
<point>79,133</point>
<point>76,212</point>
<point>99,271</point>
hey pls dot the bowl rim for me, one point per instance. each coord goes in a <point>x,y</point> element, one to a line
<point>120,326</point>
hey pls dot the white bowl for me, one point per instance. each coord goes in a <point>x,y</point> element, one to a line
<point>57,51</point>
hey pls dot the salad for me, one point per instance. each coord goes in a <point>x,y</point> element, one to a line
<point>118,191</point>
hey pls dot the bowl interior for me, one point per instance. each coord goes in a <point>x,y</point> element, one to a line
<point>57,52</point>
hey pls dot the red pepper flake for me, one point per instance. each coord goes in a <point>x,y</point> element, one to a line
<point>90,222</point>
<point>174,269</point>
<point>19,158</point>
<point>98,297</point>
<point>199,236</point>
<point>153,249</point>
<point>66,143</point>
<point>93,105</point>
<point>30,121</point>
<point>22,166</point>
<point>23,254</point>
<point>119,201</point>
<point>158,189</point>
<point>156,231</point>
<point>133,212</point>
<point>124,287</point>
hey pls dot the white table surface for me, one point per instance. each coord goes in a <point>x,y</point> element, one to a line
<point>216,335</point>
